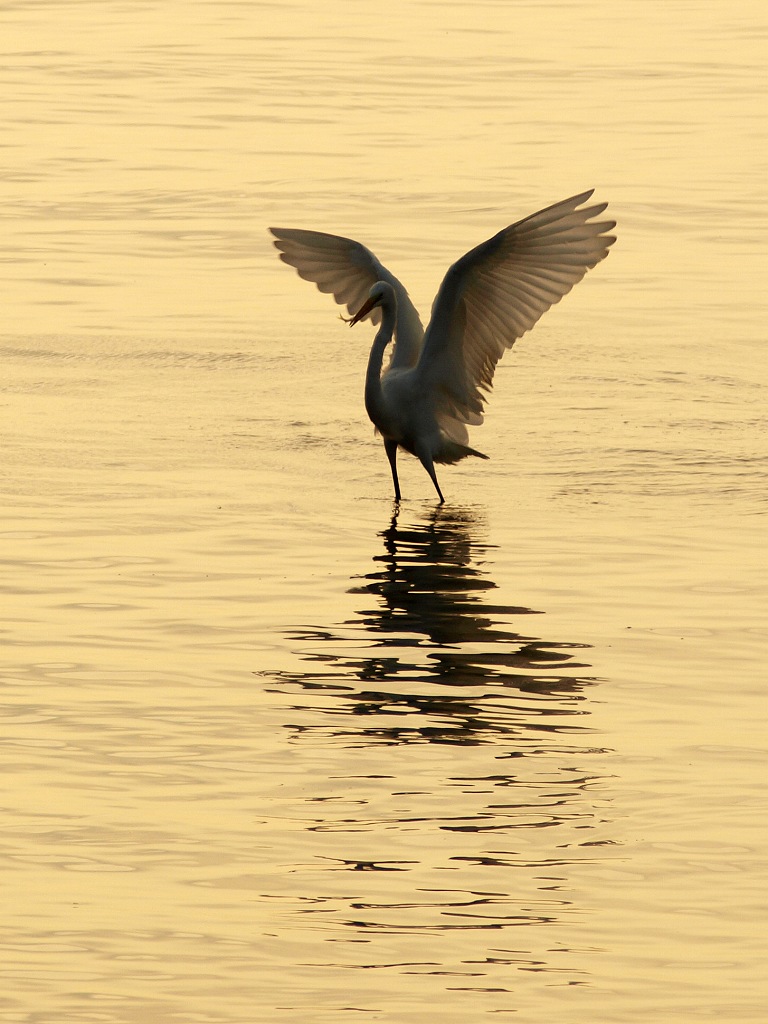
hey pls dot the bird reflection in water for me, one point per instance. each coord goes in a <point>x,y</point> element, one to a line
<point>431,657</point>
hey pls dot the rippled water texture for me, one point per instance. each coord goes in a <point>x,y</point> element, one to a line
<point>273,749</point>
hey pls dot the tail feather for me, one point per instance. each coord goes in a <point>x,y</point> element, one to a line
<point>452,451</point>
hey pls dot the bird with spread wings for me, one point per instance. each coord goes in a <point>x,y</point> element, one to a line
<point>435,383</point>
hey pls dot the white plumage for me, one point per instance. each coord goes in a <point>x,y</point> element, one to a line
<point>434,384</point>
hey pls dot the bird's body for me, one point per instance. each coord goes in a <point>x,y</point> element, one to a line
<point>400,402</point>
<point>433,386</point>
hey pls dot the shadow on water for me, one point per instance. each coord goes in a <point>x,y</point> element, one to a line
<point>478,802</point>
<point>430,656</point>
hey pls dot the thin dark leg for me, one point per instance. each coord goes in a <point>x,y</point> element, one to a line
<point>391,449</point>
<point>426,461</point>
<point>433,474</point>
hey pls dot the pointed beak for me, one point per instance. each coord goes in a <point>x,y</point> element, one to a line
<point>364,310</point>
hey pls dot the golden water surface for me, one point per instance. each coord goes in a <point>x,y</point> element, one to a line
<point>274,749</point>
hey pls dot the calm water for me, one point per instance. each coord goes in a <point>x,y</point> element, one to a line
<point>273,750</point>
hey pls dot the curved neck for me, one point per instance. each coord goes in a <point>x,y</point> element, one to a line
<point>374,402</point>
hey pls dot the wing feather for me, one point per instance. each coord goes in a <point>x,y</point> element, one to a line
<point>348,270</point>
<point>497,292</point>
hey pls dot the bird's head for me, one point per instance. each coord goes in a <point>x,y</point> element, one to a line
<point>379,294</point>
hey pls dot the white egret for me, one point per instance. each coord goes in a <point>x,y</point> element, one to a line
<point>433,387</point>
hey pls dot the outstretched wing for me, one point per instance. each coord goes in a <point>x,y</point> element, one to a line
<point>348,271</point>
<point>497,292</point>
